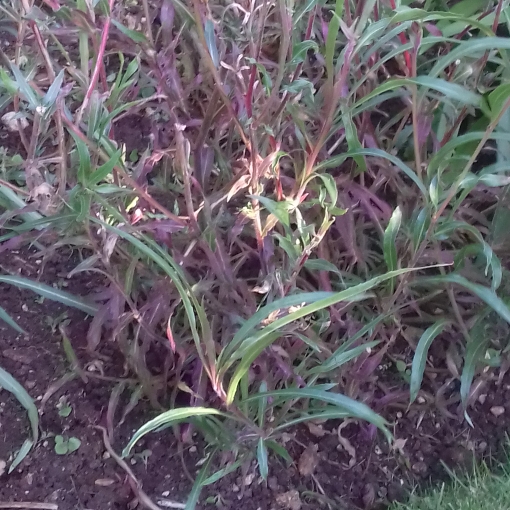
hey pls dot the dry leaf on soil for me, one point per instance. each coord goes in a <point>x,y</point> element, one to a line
<point>308,460</point>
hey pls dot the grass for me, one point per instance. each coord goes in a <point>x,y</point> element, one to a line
<point>333,192</point>
<point>485,489</point>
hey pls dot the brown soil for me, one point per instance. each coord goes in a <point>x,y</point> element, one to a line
<point>364,472</point>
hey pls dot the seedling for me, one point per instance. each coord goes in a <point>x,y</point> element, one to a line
<point>64,408</point>
<point>65,445</point>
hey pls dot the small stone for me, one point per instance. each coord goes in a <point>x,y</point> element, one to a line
<point>24,307</point>
<point>104,482</point>
<point>482,398</point>
<point>30,384</point>
<point>106,455</point>
<point>248,479</point>
<point>165,494</point>
<point>420,468</point>
<point>497,410</point>
<point>3,465</point>
<point>193,449</point>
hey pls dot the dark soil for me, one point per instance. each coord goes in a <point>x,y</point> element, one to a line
<point>356,469</point>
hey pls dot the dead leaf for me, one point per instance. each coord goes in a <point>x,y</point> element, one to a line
<point>289,500</point>
<point>308,460</point>
<point>316,430</point>
<point>346,444</point>
<point>398,445</point>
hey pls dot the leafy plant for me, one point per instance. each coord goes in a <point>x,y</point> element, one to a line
<point>66,445</point>
<point>315,190</point>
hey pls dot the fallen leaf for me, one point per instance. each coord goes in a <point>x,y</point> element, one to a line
<point>289,500</point>
<point>316,430</point>
<point>308,460</point>
<point>398,445</point>
<point>346,444</point>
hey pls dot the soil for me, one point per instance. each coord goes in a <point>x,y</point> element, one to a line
<point>353,467</point>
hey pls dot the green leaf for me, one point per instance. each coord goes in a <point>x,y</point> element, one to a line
<point>420,227</point>
<point>420,356</point>
<point>326,413</point>
<point>452,91</point>
<point>194,495</point>
<point>50,293</point>
<point>104,170</point>
<point>60,445</point>
<point>263,313</point>
<point>353,143</point>
<point>51,95</point>
<point>210,39</point>
<point>25,88</point>
<point>8,383</point>
<point>487,295</point>
<point>336,161</point>
<point>333,28</point>
<point>169,418</point>
<point>23,452</point>
<point>11,322</point>
<point>230,468</point>
<point>475,351</point>
<point>470,49</point>
<point>497,98</point>
<point>321,265</point>
<point>251,348</point>
<point>351,407</point>
<point>300,50</point>
<point>340,358</point>
<point>135,36</point>
<point>279,450</point>
<point>73,443</point>
<point>262,459</point>
<point>278,209</point>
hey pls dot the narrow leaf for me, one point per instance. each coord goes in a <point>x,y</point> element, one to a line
<point>420,356</point>
<point>50,293</point>
<point>168,418</point>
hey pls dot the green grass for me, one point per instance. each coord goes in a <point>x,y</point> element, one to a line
<point>484,489</point>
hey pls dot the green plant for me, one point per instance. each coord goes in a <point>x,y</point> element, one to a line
<point>321,198</point>
<point>66,445</point>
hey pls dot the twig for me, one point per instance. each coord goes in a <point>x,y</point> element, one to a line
<point>133,481</point>
<point>26,504</point>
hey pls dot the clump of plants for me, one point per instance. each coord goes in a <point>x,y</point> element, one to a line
<point>319,181</point>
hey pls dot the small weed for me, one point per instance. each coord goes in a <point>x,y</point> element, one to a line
<point>66,445</point>
<point>64,408</point>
